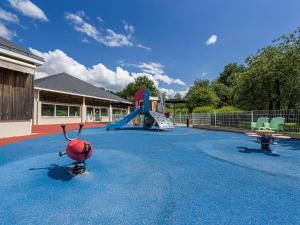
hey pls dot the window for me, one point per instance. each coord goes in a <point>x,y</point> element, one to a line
<point>89,111</point>
<point>124,111</point>
<point>104,112</point>
<point>97,111</point>
<point>116,111</point>
<point>62,110</point>
<point>47,110</point>
<point>74,111</point>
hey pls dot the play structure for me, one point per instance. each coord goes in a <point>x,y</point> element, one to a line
<point>149,111</point>
<point>77,150</point>
<point>266,133</point>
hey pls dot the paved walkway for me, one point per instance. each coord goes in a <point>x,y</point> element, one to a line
<point>42,130</point>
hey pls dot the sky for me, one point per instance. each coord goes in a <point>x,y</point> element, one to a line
<point>111,42</point>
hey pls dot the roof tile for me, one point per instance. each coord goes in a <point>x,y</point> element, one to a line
<point>67,83</point>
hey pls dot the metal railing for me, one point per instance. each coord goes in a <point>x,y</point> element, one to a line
<point>240,120</point>
<point>116,117</point>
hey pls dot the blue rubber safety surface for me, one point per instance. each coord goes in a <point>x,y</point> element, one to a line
<point>185,176</point>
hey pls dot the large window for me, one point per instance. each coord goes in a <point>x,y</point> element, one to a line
<point>47,110</point>
<point>89,111</point>
<point>62,110</point>
<point>74,111</point>
<point>104,112</point>
<point>116,111</point>
<point>120,111</point>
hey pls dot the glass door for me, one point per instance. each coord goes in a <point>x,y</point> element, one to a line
<point>97,114</point>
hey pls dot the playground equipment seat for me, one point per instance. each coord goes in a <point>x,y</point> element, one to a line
<point>259,123</point>
<point>276,124</point>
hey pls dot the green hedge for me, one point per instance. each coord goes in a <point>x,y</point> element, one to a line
<point>227,109</point>
<point>204,109</point>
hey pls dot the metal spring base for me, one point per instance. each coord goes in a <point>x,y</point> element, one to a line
<point>79,168</point>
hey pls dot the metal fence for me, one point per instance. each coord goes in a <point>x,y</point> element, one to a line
<point>116,117</point>
<point>240,120</point>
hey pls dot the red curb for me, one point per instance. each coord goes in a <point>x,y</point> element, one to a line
<point>44,130</point>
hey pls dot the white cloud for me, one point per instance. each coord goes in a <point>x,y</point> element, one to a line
<point>203,74</point>
<point>127,27</point>
<point>143,47</point>
<point>109,38</point>
<point>212,40</point>
<point>170,93</point>
<point>81,26</point>
<point>8,16</point>
<point>57,62</point>
<point>157,71</point>
<point>112,39</point>
<point>85,40</point>
<point>100,19</point>
<point>5,32</point>
<point>27,8</point>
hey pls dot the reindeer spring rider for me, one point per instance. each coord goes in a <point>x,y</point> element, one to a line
<point>77,150</point>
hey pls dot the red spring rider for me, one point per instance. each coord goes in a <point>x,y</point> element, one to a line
<point>77,150</point>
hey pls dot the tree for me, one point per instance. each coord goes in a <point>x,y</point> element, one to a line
<point>131,88</point>
<point>224,93</point>
<point>230,74</point>
<point>201,94</point>
<point>226,82</point>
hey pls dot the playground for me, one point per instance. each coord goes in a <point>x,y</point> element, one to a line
<point>136,176</point>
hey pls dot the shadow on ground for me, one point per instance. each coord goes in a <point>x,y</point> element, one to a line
<point>57,172</point>
<point>254,150</point>
<point>141,129</point>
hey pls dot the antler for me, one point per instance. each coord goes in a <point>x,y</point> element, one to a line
<point>63,126</point>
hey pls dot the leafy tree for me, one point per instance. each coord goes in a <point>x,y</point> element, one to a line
<point>230,74</point>
<point>224,93</point>
<point>131,88</point>
<point>226,82</point>
<point>201,94</point>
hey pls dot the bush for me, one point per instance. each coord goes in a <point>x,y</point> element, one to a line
<point>204,109</point>
<point>169,110</point>
<point>177,110</point>
<point>182,110</point>
<point>227,109</point>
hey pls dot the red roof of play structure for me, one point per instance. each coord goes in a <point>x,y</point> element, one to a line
<point>139,95</point>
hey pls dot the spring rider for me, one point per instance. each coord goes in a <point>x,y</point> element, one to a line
<point>77,150</point>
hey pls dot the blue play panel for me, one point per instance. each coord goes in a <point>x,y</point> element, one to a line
<point>185,176</point>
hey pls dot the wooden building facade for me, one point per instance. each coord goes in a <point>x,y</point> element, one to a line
<point>16,91</point>
<point>17,68</point>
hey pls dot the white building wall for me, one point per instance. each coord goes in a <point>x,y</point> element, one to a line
<point>15,128</point>
<point>59,120</point>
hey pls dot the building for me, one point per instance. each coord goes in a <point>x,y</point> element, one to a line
<point>63,98</point>
<point>17,68</point>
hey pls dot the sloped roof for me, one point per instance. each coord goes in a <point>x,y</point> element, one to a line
<point>8,45</point>
<point>66,83</point>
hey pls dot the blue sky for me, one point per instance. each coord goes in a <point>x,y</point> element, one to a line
<point>108,43</point>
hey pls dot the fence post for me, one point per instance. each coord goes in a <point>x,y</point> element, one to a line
<point>215,118</point>
<point>252,119</point>
<point>192,117</point>
<point>180,117</point>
